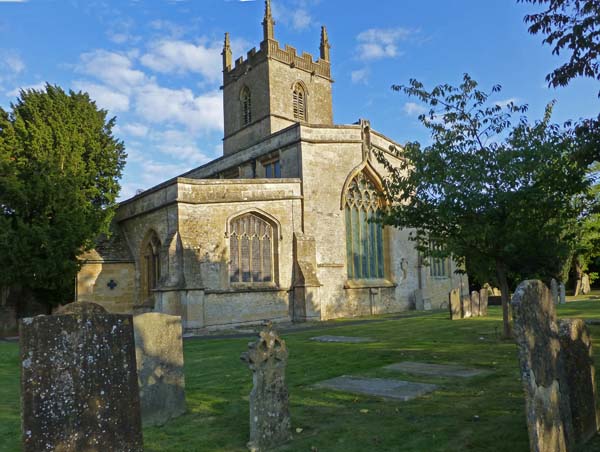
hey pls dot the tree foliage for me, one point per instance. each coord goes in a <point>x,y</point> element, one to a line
<point>571,26</point>
<point>59,171</point>
<point>497,191</point>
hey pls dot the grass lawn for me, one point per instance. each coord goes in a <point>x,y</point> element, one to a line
<point>480,413</point>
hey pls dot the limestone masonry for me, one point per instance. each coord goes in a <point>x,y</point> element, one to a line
<point>278,227</point>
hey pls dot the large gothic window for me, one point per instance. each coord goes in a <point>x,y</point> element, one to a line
<point>251,250</point>
<point>299,102</point>
<point>364,235</point>
<point>151,264</point>
<point>246,99</point>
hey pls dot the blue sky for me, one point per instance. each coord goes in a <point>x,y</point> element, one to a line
<point>156,64</point>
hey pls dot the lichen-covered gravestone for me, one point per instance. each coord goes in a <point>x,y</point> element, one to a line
<point>466,306</point>
<point>475,309</point>
<point>454,304</point>
<point>576,348</point>
<point>483,302</point>
<point>79,389</point>
<point>542,371</point>
<point>159,357</point>
<point>270,423</point>
<point>554,290</point>
<point>563,294</point>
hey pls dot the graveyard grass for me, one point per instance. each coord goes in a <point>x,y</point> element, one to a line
<point>479,413</point>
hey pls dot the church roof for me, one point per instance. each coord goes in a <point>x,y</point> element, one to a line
<point>111,248</point>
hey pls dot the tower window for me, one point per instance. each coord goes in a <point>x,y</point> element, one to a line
<point>246,106</point>
<point>299,102</point>
<point>273,169</point>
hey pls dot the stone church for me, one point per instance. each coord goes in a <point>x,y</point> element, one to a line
<point>278,227</point>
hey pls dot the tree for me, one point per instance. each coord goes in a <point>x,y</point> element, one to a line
<point>496,192</point>
<point>59,171</point>
<point>573,26</point>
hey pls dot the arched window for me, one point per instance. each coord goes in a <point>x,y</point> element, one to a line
<point>151,264</point>
<point>246,99</point>
<point>299,102</point>
<point>364,237</point>
<point>251,250</point>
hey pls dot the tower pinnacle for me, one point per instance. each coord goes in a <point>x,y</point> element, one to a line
<point>324,44</point>
<point>268,23</point>
<point>226,53</point>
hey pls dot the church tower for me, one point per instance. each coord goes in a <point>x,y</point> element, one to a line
<point>273,88</point>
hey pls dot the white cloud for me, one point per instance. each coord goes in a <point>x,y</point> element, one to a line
<point>173,56</point>
<point>301,19</point>
<point>114,69</point>
<point>505,102</point>
<point>377,43</point>
<point>104,96</point>
<point>36,86</point>
<point>135,129</point>
<point>360,75</point>
<point>413,109</point>
<point>157,104</point>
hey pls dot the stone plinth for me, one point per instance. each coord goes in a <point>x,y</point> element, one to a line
<point>270,423</point>
<point>79,389</point>
<point>159,357</point>
<point>454,304</point>
<point>546,400</point>
<point>576,347</point>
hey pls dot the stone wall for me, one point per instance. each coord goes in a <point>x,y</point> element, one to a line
<point>94,282</point>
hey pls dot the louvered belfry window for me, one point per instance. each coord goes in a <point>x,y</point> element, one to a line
<point>246,106</point>
<point>251,250</point>
<point>364,236</point>
<point>299,102</point>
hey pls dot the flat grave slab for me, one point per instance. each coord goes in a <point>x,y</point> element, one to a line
<point>436,370</point>
<point>343,339</point>
<point>379,387</point>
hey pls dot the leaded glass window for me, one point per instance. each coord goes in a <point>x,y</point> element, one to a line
<point>246,106</point>
<point>299,102</point>
<point>439,266</point>
<point>251,250</point>
<point>364,234</point>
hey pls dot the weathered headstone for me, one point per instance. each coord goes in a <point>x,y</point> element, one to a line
<point>79,389</point>
<point>270,423</point>
<point>454,304</point>
<point>563,294</point>
<point>466,306</point>
<point>475,310</point>
<point>546,401</point>
<point>554,290</point>
<point>585,284</point>
<point>576,348</point>
<point>418,297</point>
<point>159,358</point>
<point>483,302</point>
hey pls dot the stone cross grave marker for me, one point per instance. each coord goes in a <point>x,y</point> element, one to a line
<point>546,401</point>
<point>79,389</point>
<point>159,358</point>
<point>270,423</point>
<point>454,304</point>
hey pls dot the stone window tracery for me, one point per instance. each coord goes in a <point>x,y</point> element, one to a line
<point>299,102</point>
<point>246,99</point>
<point>364,235</point>
<point>251,250</point>
<point>439,266</point>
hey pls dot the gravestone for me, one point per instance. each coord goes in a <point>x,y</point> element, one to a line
<point>562,292</point>
<point>435,370</point>
<point>466,306</point>
<point>554,290</point>
<point>79,389</point>
<point>454,304</point>
<point>342,339</point>
<point>419,302</point>
<point>475,310</point>
<point>546,401</point>
<point>576,348</point>
<point>270,423</point>
<point>378,387</point>
<point>159,358</point>
<point>585,284</point>
<point>483,302</point>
